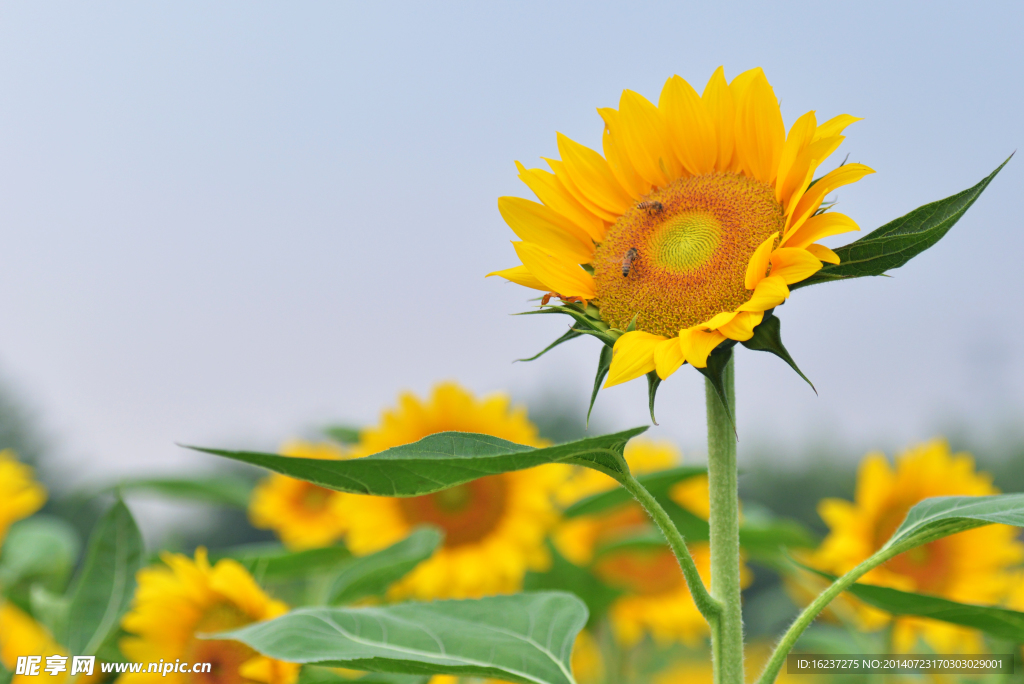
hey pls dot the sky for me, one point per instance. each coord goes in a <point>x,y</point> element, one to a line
<point>228,223</point>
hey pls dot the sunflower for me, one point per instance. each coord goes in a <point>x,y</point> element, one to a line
<point>185,597</point>
<point>975,566</point>
<point>690,228</point>
<point>20,494</point>
<point>302,514</point>
<point>655,597</point>
<point>494,527</point>
<point>20,635</point>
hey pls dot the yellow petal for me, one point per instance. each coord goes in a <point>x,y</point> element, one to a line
<point>690,126</point>
<point>593,176</point>
<point>563,277</point>
<point>550,191</point>
<point>646,137</point>
<point>799,178</point>
<point>718,321</point>
<point>698,344</point>
<point>668,357</point>
<point>632,356</point>
<point>758,265</point>
<point>836,125</point>
<point>818,227</point>
<point>760,133</point>
<point>540,225</point>
<point>811,201</point>
<point>770,292</point>
<point>799,138</point>
<point>718,101</point>
<point>741,328</point>
<point>618,159</point>
<point>520,275</point>
<point>824,253</point>
<point>562,174</point>
<point>794,265</point>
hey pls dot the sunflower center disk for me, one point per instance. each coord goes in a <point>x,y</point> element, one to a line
<point>467,513</point>
<point>680,257</point>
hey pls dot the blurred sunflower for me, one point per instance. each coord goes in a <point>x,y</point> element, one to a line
<point>694,671</point>
<point>693,224</point>
<point>494,527</point>
<point>975,566</point>
<point>20,635</point>
<point>20,494</point>
<point>655,597</point>
<point>302,514</point>
<point>184,597</point>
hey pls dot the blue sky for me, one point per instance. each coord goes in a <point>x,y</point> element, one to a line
<point>226,222</point>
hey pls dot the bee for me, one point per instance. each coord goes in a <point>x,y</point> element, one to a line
<point>627,261</point>
<point>651,207</point>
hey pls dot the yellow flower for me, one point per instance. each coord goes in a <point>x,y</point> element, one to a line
<point>656,599</point>
<point>303,515</point>
<point>20,635</point>
<point>20,495</point>
<point>970,567</point>
<point>693,224</point>
<point>494,527</point>
<point>185,597</point>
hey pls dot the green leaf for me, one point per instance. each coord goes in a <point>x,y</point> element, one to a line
<point>40,548</point>
<point>6,676</point>
<point>657,483</point>
<point>105,585</point>
<point>604,362</point>
<point>570,334</point>
<point>440,461</point>
<point>343,434</point>
<point>899,241</point>
<point>564,575</point>
<point>223,490</point>
<point>768,338</point>
<point>653,381</point>
<point>372,575</point>
<point>998,622</point>
<point>525,638</point>
<point>942,516</point>
<point>312,674</point>
<point>274,562</point>
<point>715,372</point>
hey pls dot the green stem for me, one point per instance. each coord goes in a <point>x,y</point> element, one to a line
<point>804,620</point>
<point>708,607</point>
<point>727,639</point>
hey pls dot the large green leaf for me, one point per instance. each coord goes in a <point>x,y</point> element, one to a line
<point>999,622</point>
<point>224,490</point>
<point>272,561</point>
<point>440,461</point>
<point>40,548</point>
<point>372,575</point>
<point>657,483</point>
<point>105,585</point>
<point>312,674</point>
<point>524,638</point>
<point>942,516</point>
<point>897,242</point>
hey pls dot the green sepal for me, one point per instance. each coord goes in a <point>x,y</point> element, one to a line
<point>343,434</point>
<point>768,338</point>
<point>715,372</point>
<point>899,241</point>
<point>590,325</point>
<point>570,334</point>
<point>604,362</point>
<point>653,381</point>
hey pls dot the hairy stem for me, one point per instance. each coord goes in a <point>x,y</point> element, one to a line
<point>727,638</point>
<point>804,620</point>
<point>708,606</point>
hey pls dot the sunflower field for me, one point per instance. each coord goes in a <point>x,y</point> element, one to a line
<point>458,539</point>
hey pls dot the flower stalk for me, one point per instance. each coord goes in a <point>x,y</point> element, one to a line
<point>727,633</point>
